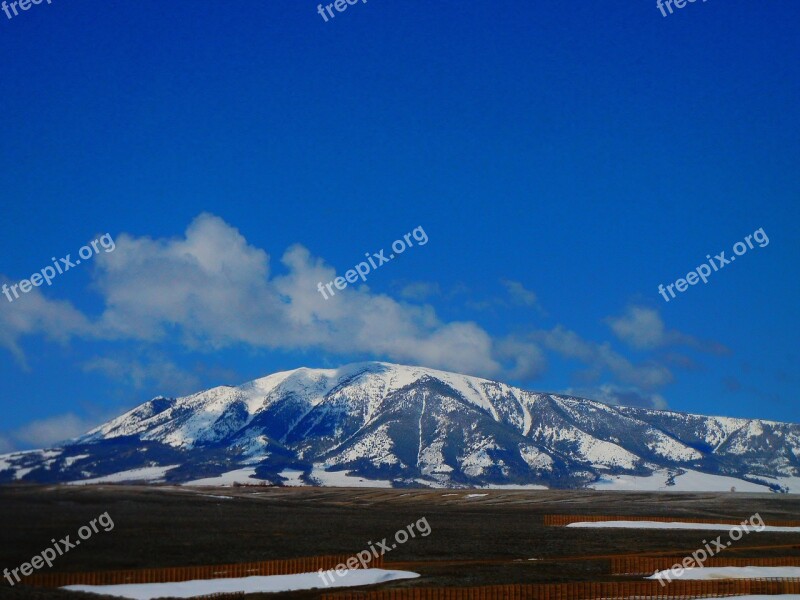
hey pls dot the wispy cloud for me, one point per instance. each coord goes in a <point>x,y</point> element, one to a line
<point>521,296</point>
<point>600,358</point>
<point>642,328</point>
<point>148,370</point>
<point>35,314</point>
<point>621,396</point>
<point>47,432</point>
<point>420,290</point>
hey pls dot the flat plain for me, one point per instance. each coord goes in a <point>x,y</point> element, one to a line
<point>478,537</point>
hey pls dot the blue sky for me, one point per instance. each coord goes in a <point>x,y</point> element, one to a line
<point>563,160</point>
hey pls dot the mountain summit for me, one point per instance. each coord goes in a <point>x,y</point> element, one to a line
<point>383,424</point>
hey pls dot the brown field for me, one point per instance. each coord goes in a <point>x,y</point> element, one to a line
<point>478,538</point>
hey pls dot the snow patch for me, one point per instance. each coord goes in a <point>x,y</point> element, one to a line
<point>151,474</point>
<point>344,479</point>
<point>673,525</point>
<point>229,478</point>
<point>248,585</point>
<point>733,573</point>
<point>690,481</point>
<point>71,460</point>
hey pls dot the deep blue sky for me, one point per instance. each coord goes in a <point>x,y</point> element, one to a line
<point>564,159</point>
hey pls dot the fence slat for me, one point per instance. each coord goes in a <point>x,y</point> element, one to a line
<point>172,574</point>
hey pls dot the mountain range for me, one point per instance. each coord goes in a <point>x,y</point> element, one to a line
<point>381,424</point>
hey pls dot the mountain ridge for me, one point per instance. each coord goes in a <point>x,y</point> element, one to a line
<point>377,423</point>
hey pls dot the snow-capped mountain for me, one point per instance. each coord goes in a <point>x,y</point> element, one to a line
<point>385,424</point>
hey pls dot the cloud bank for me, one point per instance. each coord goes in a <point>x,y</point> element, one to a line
<point>210,289</point>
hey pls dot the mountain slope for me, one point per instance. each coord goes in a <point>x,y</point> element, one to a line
<point>379,423</point>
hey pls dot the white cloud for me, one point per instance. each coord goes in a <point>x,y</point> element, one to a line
<point>50,431</point>
<point>420,290</point>
<point>211,289</point>
<point>6,444</point>
<point>642,328</point>
<point>528,359</point>
<point>32,313</point>
<point>519,295</point>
